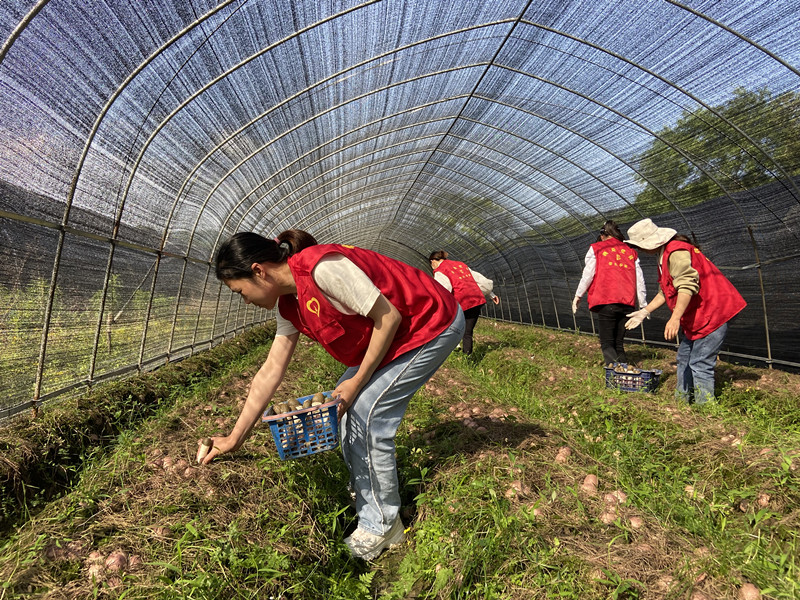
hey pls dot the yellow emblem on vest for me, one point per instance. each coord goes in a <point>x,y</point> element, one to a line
<point>313,306</point>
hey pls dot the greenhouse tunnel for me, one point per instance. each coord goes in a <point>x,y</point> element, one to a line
<point>137,135</point>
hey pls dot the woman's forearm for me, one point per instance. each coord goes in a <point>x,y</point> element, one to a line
<point>263,386</point>
<point>386,319</point>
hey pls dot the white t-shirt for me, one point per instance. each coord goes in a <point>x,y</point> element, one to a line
<point>484,283</point>
<point>588,276</point>
<point>343,284</point>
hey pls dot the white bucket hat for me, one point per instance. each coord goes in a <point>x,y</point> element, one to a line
<point>649,236</point>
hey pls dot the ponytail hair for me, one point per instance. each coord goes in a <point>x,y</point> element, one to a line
<point>438,255</point>
<point>236,256</point>
<point>611,229</point>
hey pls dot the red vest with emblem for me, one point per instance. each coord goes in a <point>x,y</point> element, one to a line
<point>425,306</point>
<point>465,289</point>
<point>614,275</point>
<point>716,302</point>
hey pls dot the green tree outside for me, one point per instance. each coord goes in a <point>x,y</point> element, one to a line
<point>706,150</point>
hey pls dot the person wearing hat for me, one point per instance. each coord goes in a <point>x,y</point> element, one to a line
<point>701,299</point>
<point>613,278</point>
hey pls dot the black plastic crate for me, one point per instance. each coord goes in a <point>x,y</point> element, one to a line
<point>631,379</point>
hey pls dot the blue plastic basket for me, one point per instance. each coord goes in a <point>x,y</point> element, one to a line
<point>644,381</point>
<point>304,431</point>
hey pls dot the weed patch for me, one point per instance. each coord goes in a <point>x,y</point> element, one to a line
<point>522,477</point>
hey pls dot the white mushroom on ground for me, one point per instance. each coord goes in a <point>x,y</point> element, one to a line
<point>589,484</point>
<point>749,592</point>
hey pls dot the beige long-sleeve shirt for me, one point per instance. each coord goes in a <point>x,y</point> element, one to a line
<point>684,277</point>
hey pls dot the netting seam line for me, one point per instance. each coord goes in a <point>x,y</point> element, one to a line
<point>687,93</point>
<point>176,110</point>
<point>466,102</point>
<point>322,82</point>
<point>21,26</point>
<point>753,43</point>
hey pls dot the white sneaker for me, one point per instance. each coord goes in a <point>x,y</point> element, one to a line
<point>369,546</point>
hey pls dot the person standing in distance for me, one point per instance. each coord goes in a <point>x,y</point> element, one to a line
<point>701,299</point>
<point>470,288</point>
<point>385,320</point>
<point>613,277</point>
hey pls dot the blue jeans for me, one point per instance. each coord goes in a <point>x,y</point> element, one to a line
<point>369,427</point>
<point>696,360</point>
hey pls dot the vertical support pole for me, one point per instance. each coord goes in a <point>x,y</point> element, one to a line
<point>502,313</point>
<point>156,266</point>
<point>177,306</point>
<point>48,311</point>
<point>763,296</point>
<point>200,313</point>
<point>527,299</point>
<point>103,297</point>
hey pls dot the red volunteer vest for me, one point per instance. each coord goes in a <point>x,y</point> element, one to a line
<point>426,307</point>
<point>465,289</point>
<point>716,303</point>
<point>615,274</point>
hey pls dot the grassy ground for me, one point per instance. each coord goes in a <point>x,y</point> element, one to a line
<point>523,477</point>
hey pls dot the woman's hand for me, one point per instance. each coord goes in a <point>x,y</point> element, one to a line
<point>346,392</point>
<point>672,328</point>
<point>386,319</point>
<point>221,446</point>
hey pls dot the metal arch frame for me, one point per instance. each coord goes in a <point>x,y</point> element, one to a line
<point>395,51</point>
<point>517,108</point>
<point>635,65</point>
<point>513,272</point>
<point>716,23</point>
<point>267,145</point>
<point>41,4</point>
<point>612,154</point>
<point>514,70</point>
<point>324,81</point>
<point>21,26</point>
<point>686,92</point>
<point>437,176</point>
<point>364,140</point>
<point>427,217</point>
<point>73,186</point>
<point>145,147</point>
<point>382,183</point>
<point>230,214</point>
<point>466,101</point>
<point>733,201</point>
<point>311,119</point>
<point>367,139</point>
<point>360,159</point>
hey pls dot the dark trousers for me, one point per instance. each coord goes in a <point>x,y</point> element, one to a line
<point>471,318</point>
<point>611,327</point>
